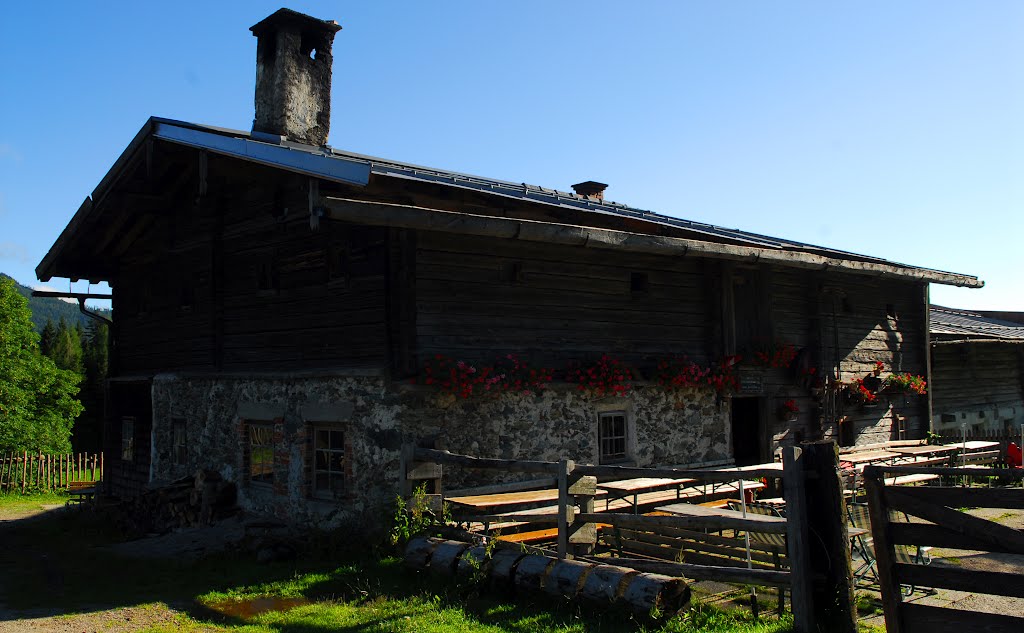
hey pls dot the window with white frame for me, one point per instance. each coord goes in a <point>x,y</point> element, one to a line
<point>261,452</point>
<point>612,437</point>
<point>128,438</point>
<point>328,462</point>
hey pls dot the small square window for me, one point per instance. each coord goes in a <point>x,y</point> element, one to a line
<point>328,462</point>
<point>128,438</point>
<point>261,453</point>
<point>179,446</point>
<point>611,437</point>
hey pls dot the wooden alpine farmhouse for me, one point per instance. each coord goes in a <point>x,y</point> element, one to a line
<point>278,301</point>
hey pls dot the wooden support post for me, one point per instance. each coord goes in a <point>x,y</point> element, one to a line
<point>566,508</point>
<point>582,536</point>
<point>794,491</point>
<point>833,597</point>
<point>874,486</point>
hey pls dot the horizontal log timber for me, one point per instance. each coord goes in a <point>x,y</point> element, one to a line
<point>641,521</point>
<point>764,577</point>
<point>410,217</point>
<point>919,618</point>
<point>974,581</point>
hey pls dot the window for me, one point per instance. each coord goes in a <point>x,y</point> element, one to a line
<point>611,437</point>
<point>261,453</point>
<point>328,462</point>
<point>178,443</point>
<point>127,438</point>
<point>639,284</point>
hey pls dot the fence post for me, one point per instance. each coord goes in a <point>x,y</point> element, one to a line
<point>833,598</point>
<point>566,509</point>
<point>878,510</point>
<point>582,536</point>
<point>793,489</point>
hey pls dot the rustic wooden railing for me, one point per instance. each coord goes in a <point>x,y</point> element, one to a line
<point>941,524</point>
<point>24,471</point>
<point>819,578</point>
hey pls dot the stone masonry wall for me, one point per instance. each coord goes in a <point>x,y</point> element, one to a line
<point>377,417</point>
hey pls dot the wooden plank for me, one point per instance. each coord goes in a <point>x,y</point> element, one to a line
<point>975,581</point>
<point>565,468</point>
<point>794,491</point>
<point>879,512</point>
<point>711,522</point>
<point>631,472</point>
<point>423,470</point>
<point>985,531</point>
<point>960,497</point>
<point>515,486</point>
<point>938,536</point>
<point>734,548</point>
<point>764,577</point>
<point>919,618</point>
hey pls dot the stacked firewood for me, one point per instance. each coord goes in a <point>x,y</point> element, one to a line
<point>192,501</point>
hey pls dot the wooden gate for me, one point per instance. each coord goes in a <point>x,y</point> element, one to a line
<point>939,523</point>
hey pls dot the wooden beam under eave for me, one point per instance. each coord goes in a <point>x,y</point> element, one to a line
<point>420,218</point>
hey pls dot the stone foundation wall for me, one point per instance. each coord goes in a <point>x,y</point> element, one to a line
<point>378,416</point>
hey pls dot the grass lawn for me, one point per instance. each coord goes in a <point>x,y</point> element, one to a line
<point>62,570</point>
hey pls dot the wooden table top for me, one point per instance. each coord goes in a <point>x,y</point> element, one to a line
<point>903,480</point>
<point>689,509</point>
<point>867,456</point>
<point>509,498</point>
<point>974,445</point>
<point>740,469</point>
<point>643,483</point>
<point>925,449</point>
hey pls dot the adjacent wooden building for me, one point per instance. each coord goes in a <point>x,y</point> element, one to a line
<point>977,371</point>
<point>275,299</point>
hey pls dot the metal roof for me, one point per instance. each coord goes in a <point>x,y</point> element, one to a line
<point>535,193</point>
<point>964,323</point>
<point>352,168</point>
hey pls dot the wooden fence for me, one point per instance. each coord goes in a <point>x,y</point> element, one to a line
<point>944,525</point>
<point>21,472</point>
<point>820,584</point>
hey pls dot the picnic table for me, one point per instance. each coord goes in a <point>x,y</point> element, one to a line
<point>926,449</point>
<point>624,488</point>
<point>693,510</point>
<point>868,457</point>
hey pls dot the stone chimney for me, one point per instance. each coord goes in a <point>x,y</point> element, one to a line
<point>590,189</point>
<point>293,76</point>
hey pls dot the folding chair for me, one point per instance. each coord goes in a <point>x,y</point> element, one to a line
<point>778,541</point>
<point>862,545</point>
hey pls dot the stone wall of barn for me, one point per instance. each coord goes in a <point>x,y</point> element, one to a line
<point>212,416</point>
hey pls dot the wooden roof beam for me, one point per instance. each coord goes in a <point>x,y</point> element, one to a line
<point>410,217</point>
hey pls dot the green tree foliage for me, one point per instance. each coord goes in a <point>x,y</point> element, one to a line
<point>37,398</point>
<point>63,345</point>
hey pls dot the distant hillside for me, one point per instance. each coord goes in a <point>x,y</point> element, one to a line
<point>47,308</point>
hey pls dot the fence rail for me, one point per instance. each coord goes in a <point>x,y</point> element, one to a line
<point>24,471</point>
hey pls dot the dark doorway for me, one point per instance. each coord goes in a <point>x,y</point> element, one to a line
<point>746,431</point>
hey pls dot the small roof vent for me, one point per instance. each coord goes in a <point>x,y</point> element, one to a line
<point>590,189</point>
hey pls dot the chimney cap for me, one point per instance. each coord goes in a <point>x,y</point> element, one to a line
<point>290,17</point>
<point>590,188</point>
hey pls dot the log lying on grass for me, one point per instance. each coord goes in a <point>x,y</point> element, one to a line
<point>641,593</point>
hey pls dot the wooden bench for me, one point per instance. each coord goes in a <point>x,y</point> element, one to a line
<point>81,491</point>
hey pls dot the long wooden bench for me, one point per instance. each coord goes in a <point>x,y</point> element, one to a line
<point>81,491</point>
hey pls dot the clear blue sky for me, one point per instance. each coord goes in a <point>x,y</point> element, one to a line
<point>894,129</point>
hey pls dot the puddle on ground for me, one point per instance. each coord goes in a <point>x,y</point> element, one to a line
<point>247,609</point>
